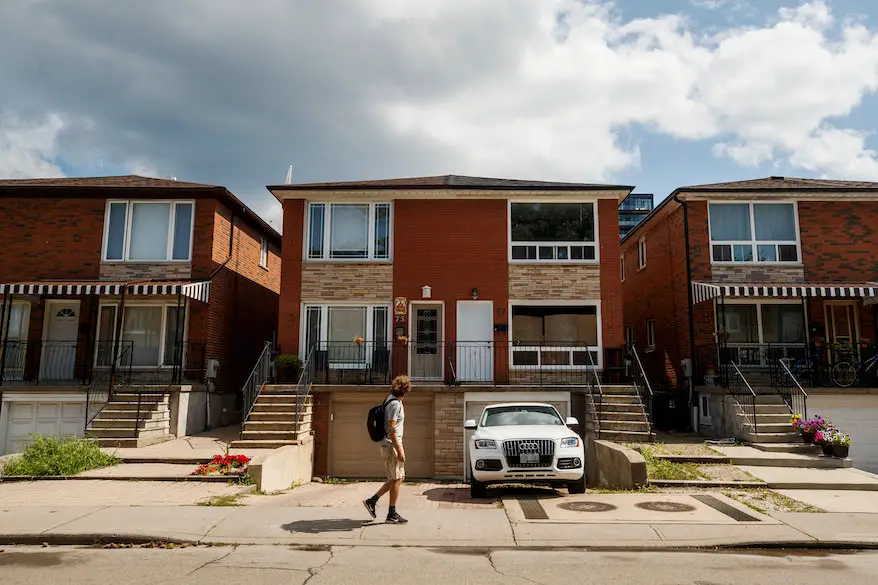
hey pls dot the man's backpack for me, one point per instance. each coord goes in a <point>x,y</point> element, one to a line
<point>375,423</point>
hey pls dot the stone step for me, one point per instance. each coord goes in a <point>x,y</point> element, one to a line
<point>618,425</point>
<point>617,390</point>
<point>127,405</point>
<point>282,398</point>
<point>278,406</point>
<point>144,396</point>
<point>771,437</point>
<point>281,389</point>
<point>633,415</point>
<point>769,427</point>
<point>771,409</point>
<point>115,413</point>
<point>130,442</point>
<point>261,426</point>
<point>128,423</point>
<point>279,416</point>
<point>617,408</point>
<point>627,436</point>
<point>617,399</point>
<point>270,435</point>
<point>261,444</point>
<point>125,433</point>
<point>773,418</point>
<point>793,447</point>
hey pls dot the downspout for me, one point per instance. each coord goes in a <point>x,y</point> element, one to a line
<point>691,307</point>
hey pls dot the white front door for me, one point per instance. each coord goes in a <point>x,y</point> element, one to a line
<point>475,341</point>
<point>58,352</point>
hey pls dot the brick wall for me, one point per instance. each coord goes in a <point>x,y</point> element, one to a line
<point>767,273</point>
<point>839,240</point>
<point>611,287</point>
<point>291,275</point>
<point>124,271</point>
<point>336,281</point>
<point>448,434</point>
<point>555,281</point>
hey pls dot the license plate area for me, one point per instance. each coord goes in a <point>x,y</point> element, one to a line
<point>530,458</point>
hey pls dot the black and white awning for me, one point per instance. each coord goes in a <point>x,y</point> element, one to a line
<point>705,291</point>
<point>199,291</point>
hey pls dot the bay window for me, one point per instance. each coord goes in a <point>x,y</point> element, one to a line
<point>552,232</point>
<point>753,232</point>
<point>555,337</point>
<point>348,335</point>
<point>154,231</point>
<point>153,332</point>
<point>348,231</point>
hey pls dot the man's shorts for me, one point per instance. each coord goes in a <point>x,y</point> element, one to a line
<point>393,467</point>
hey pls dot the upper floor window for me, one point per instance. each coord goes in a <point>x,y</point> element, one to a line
<point>348,231</point>
<point>148,231</point>
<point>622,267</point>
<point>549,232</point>
<point>641,253</point>
<point>263,252</point>
<point>753,232</point>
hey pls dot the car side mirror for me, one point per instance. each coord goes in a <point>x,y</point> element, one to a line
<point>470,425</point>
<point>571,420</point>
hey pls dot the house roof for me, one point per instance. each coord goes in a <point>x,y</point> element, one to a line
<point>450,182</point>
<point>75,185</point>
<point>781,184</point>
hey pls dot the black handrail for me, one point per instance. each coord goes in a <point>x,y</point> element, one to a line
<point>303,387</point>
<point>641,383</point>
<point>258,377</point>
<point>743,393</point>
<point>789,389</point>
<point>101,387</point>
<point>595,391</point>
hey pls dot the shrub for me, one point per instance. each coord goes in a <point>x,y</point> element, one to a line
<point>50,456</point>
<point>288,366</point>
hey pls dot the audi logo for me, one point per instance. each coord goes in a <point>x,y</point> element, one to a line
<point>529,447</point>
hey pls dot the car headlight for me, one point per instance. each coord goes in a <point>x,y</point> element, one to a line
<point>570,442</point>
<point>485,444</point>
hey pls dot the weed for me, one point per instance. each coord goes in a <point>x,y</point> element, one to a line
<point>644,489</point>
<point>243,479</point>
<point>50,456</point>
<point>336,481</point>
<point>228,500</point>
<point>764,501</point>
<point>663,469</point>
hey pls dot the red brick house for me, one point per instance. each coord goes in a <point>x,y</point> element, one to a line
<point>471,286</point>
<point>165,275</point>
<point>749,273</point>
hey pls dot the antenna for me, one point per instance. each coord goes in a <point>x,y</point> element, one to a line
<point>289,179</point>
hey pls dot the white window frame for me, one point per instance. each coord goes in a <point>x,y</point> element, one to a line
<point>704,415</point>
<point>324,329</point>
<point>327,225</point>
<point>555,244</point>
<point>758,302</point>
<point>263,252</point>
<point>165,305</point>
<point>641,253</point>
<point>25,320</point>
<point>599,348</point>
<point>753,242</point>
<point>650,333</point>
<point>126,245</point>
<point>622,267</point>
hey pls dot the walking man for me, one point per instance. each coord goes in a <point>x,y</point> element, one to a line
<point>391,449</point>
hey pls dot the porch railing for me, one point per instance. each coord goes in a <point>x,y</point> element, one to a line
<point>303,386</point>
<point>185,362</point>
<point>258,377</point>
<point>596,395</point>
<point>744,395</point>
<point>641,383</point>
<point>789,389</point>
<point>104,381</point>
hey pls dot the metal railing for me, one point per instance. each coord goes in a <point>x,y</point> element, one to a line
<point>744,395</point>
<point>789,389</point>
<point>103,382</point>
<point>258,377</point>
<point>303,387</point>
<point>183,363</point>
<point>596,396</point>
<point>41,362</point>
<point>641,383</point>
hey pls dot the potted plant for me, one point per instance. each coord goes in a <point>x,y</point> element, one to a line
<point>824,439</point>
<point>810,428</point>
<point>841,445</point>
<point>288,367</point>
<point>797,423</point>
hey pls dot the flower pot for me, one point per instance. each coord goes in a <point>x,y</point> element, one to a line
<point>827,449</point>
<point>841,451</point>
<point>808,437</point>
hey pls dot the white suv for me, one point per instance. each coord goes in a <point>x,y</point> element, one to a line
<point>525,443</point>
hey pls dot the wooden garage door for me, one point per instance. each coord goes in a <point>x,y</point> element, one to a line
<point>353,454</point>
<point>45,418</point>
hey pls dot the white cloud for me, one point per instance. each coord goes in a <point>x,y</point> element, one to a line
<point>28,148</point>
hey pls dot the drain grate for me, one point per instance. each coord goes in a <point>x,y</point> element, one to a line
<point>665,507</point>
<point>587,506</point>
<point>532,509</point>
<point>730,511</point>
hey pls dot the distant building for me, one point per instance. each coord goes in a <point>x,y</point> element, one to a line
<point>632,210</point>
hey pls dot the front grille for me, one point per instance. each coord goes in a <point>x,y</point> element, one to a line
<point>544,447</point>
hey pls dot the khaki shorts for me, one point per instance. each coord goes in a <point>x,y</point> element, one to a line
<point>393,467</point>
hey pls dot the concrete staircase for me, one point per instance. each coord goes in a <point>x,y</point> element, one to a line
<point>621,416</point>
<point>772,431</point>
<point>128,422</point>
<point>272,422</point>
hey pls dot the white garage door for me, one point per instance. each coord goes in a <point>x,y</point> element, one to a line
<point>56,419</point>
<point>856,415</point>
<point>473,410</point>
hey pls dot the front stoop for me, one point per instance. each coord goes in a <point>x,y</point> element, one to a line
<point>621,416</point>
<point>117,425</point>
<point>272,422</point>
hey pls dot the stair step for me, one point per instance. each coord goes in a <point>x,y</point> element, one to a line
<point>770,409</point>
<point>627,436</point>
<point>617,408</point>
<point>799,447</point>
<point>124,433</point>
<point>269,435</point>
<point>133,405</point>
<point>634,415</point>
<point>283,398</point>
<point>274,406</point>
<point>766,427</point>
<point>620,390</point>
<point>771,437</point>
<point>261,426</point>
<point>282,389</point>
<point>278,416</point>
<point>618,425</point>
<point>128,423</point>
<point>617,399</point>
<point>261,444</point>
<point>115,413</point>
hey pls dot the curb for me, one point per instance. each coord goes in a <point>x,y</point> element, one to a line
<point>195,478</point>
<point>706,483</point>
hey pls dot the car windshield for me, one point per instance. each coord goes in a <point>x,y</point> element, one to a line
<point>503,416</point>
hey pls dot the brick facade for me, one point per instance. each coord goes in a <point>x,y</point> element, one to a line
<point>750,273</point>
<point>554,281</point>
<point>448,434</point>
<point>123,271</point>
<point>611,286</point>
<point>291,275</point>
<point>343,281</point>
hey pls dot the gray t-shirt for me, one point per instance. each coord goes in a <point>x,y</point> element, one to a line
<point>393,410</point>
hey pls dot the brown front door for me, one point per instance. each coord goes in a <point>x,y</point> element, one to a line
<point>842,329</point>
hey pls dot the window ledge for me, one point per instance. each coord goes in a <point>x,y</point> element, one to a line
<point>596,261</point>
<point>751,264</point>
<point>346,261</point>
<point>116,262</point>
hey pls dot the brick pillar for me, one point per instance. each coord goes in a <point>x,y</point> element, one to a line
<point>448,435</point>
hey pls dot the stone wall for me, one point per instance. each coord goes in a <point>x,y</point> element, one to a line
<point>332,281</point>
<point>128,271</point>
<point>554,281</point>
<point>758,274</point>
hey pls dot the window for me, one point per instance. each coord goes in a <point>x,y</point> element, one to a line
<point>14,332</point>
<point>552,232</point>
<point>753,232</point>
<point>555,337</point>
<point>650,333</point>
<point>349,231</point>
<point>751,325</point>
<point>334,328</point>
<point>263,252</point>
<point>641,253</point>
<point>155,231</point>
<point>622,267</point>
<point>154,332</point>
<point>704,412</point>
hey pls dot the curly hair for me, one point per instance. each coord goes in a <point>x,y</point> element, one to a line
<point>400,386</point>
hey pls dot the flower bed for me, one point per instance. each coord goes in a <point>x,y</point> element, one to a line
<point>232,465</point>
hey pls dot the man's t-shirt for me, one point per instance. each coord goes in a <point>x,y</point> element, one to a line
<point>393,410</point>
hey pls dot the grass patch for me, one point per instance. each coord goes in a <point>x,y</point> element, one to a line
<point>49,456</point>
<point>644,489</point>
<point>336,481</point>
<point>662,469</point>
<point>221,501</point>
<point>243,479</point>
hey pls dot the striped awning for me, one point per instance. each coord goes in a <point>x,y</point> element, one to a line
<point>705,291</point>
<point>199,291</point>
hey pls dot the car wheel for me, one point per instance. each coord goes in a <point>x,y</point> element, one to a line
<point>477,489</point>
<point>576,487</point>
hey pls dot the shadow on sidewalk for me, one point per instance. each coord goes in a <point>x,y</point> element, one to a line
<point>329,525</point>
<point>461,494</point>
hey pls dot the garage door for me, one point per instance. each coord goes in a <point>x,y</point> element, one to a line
<point>353,454</point>
<point>44,418</point>
<point>473,410</point>
<point>856,415</point>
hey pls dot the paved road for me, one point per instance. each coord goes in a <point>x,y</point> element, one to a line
<point>365,566</point>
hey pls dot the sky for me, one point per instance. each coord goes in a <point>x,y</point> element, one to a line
<point>652,93</point>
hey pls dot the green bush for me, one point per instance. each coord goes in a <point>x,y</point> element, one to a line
<point>288,366</point>
<point>49,456</point>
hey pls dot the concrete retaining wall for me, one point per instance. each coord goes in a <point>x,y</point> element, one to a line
<point>284,467</point>
<point>612,466</point>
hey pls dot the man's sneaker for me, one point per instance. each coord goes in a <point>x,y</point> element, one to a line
<point>395,519</point>
<point>370,507</point>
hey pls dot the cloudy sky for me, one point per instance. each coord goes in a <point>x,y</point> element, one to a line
<point>654,93</point>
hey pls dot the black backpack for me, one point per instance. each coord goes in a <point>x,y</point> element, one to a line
<point>376,421</point>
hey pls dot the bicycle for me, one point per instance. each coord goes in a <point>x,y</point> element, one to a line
<point>845,374</point>
<point>809,367</point>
